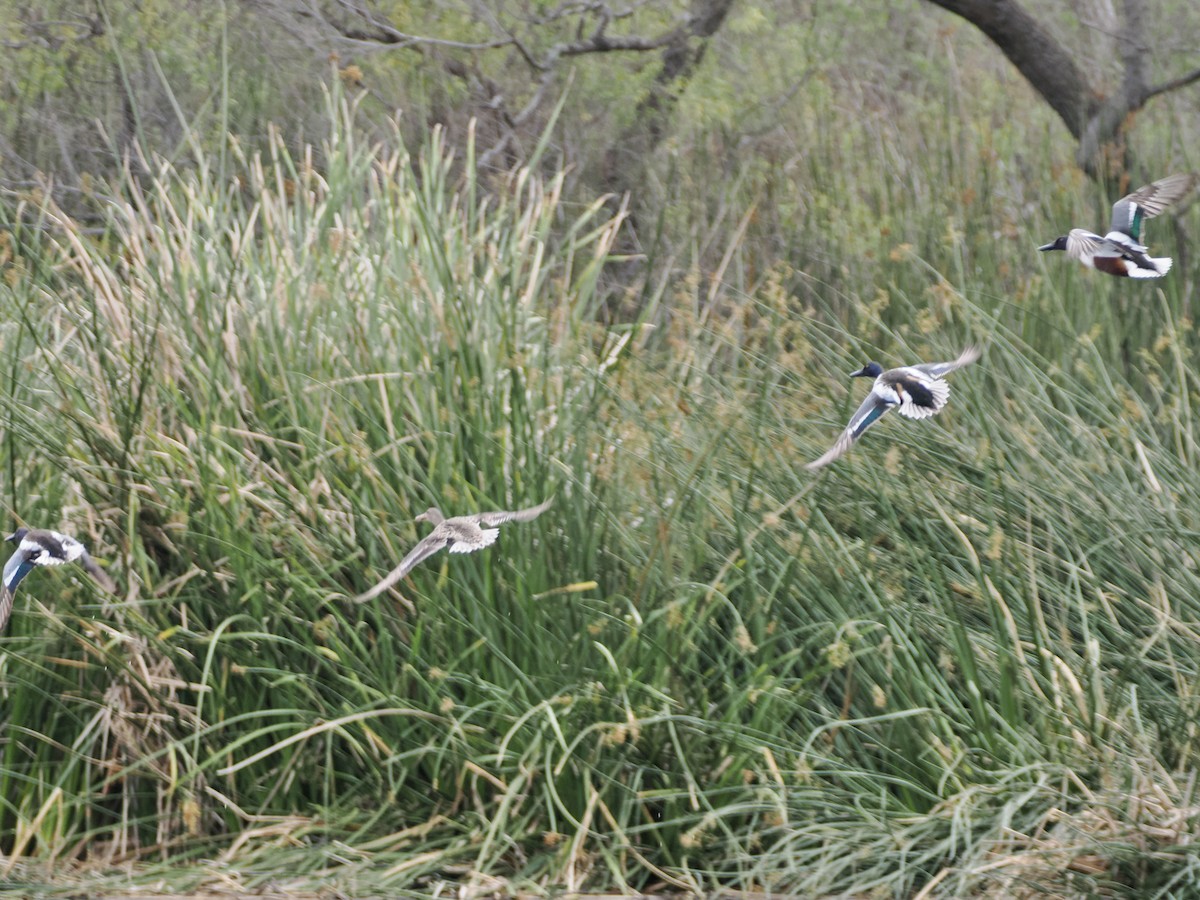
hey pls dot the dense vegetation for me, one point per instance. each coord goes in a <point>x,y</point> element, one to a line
<point>960,662</point>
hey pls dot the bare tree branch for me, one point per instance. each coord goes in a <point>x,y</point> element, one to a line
<point>487,158</point>
<point>1174,84</point>
<point>544,38</point>
<point>42,33</point>
<point>387,36</point>
<point>600,42</point>
<point>380,31</point>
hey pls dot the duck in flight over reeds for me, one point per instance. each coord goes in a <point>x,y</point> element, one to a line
<point>917,391</point>
<point>40,547</point>
<point>1121,251</point>
<point>459,534</point>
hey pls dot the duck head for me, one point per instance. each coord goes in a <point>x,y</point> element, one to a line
<point>433,516</point>
<point>18,535</point>
<point>1057,244</point>
<point>870,370</point>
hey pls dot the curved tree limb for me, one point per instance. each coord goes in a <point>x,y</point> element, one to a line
<point>1045,63</point>
<point>1096,121</point>
<point>1174,84</point>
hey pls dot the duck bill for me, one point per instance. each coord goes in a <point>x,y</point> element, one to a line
<point>1056,244</point>
<point>861,373</point>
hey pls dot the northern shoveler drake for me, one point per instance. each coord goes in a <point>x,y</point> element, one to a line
<point>39,547</point>
<point>1121,252</point>
<point>461,534</point>
<point>917,391</point>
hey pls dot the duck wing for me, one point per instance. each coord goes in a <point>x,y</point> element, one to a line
<point>1082,245</point>
<point>864,417</point>
<point>1147,202</point>
<point>425,548</point>
<point>499,517</point>
<point>937,370</point>
<point>18,566</point>
<point>6,605</point>
<point>921,394</point>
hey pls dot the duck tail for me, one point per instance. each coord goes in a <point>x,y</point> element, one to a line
<point>1159,266</point>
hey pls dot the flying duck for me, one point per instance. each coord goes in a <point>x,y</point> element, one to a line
<point>919,391</point>
<point>461,534</point>
<point>39,547</point>
<point>1121,252</point>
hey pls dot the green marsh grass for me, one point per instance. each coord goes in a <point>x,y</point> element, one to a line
<point>958,661</point>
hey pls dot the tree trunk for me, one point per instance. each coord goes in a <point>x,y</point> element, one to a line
<point>629,153</point>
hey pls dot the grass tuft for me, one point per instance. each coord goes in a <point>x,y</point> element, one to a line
<point>959,661</point>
